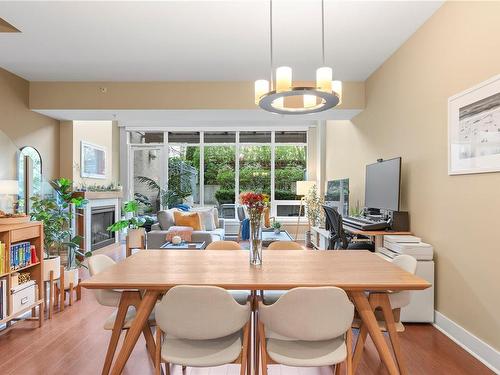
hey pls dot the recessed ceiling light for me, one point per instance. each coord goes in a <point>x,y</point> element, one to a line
<point>6,27</point>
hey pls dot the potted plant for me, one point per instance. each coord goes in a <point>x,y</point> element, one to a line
<point>57,213</point>
<point>132,223</point>
<point>277,227</point>
<point>314,211</point>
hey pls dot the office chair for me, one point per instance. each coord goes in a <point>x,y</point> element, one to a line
<point>338,237</point>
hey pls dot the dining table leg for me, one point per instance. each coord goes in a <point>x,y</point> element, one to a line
<point>126,300</point>
<point>367,315</point>
<point>141,319</point>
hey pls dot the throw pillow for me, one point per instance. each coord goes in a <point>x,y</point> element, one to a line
<point>166,218</point>
<point>207,218</point>
<point>183,232</point>
<point>267,218</point>
<point>187,219</point>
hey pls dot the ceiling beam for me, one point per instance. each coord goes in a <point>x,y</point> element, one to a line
<point>203,95</point>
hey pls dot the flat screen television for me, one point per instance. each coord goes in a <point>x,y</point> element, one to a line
<point>382,184</point>
<point>337,195</point>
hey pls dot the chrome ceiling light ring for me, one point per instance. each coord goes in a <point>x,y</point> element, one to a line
<point>270,95</point>
<point>272,101</point>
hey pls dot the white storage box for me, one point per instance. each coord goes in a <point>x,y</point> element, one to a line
<point>23,295</point>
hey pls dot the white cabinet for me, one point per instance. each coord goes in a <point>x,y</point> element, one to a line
<point>421,307</point>
<point>320,237</point>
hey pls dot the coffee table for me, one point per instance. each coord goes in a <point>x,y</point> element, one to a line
<point>184,246</point>
<point>268,236</point>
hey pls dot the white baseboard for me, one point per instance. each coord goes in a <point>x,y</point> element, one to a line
<point>484,352</point>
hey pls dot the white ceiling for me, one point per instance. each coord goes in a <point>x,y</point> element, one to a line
<point>201,40</point>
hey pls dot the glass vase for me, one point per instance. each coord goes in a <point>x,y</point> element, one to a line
<point>256,241</point>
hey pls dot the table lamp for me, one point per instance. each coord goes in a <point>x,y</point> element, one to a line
<point>8,188</point>
<point>302,188</point>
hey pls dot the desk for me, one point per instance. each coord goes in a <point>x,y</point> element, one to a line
<point>157,271</point>
<point>320,237</point>
<point>378,235</point>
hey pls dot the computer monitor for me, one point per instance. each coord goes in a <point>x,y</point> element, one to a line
<point>382,184</point>
<point>337,195</point>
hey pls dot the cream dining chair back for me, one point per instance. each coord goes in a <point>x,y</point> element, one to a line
<point>223,245</point>
<point>271,296</point>
<point>97,264</point>
<point>409,264</point>
<point>284,245</point>
<point>201,326</point>
<point>307,327</point>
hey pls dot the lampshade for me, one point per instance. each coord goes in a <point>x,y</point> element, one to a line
<point>324,79</point>
<point>303,187</point>
<point>283,78</point>
<point>10,187</point>
<point>261,88</point>
<point>337,87</point>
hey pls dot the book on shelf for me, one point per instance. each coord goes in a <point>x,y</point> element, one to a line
<point>3,298</point>
<point>20,255</point>
<point>3,266</point>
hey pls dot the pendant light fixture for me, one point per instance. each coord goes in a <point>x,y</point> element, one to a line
<point>325,95</point>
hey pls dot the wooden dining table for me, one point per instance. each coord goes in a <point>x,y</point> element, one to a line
<point>155,271</point>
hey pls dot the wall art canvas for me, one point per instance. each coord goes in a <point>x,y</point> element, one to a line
<point>93,161</point>
<point>474,129</point>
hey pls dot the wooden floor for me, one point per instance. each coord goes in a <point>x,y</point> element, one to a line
<point>73,342</point>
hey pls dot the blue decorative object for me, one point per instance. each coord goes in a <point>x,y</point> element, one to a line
<point>183,207</point>
<point>245,229</point>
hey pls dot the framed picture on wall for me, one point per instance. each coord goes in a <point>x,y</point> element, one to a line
<point>474,129</point>
<point>93,161</point>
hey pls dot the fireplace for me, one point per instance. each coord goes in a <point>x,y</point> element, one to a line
<point>101,218</point>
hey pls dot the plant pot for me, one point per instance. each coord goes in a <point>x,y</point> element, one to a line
<point>52,263</point>
<point>71,276</point>
<point>136,238</point>
<point>277,231</point>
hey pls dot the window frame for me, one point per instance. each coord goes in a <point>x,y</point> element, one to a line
<point>237,145</point>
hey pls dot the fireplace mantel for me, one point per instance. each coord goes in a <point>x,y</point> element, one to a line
<point>89,195</point>
<point>95,199</point>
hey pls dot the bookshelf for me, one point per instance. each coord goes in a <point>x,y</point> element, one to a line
<point>14,234</point>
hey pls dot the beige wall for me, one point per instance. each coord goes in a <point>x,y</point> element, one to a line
<point>27,128</point>
<point>406,116</point>
<point>100,133</point>
<point>163,95</point>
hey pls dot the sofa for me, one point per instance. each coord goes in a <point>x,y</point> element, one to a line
<point>156,237</point>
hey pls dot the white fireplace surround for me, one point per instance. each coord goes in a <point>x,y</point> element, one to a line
<point>87,212</point>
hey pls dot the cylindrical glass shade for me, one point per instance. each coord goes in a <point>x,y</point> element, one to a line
<point>309,101</point>
<point>261,88</point>
<point>337,87</point>
<point>324,79</point>
<point>283,78</point>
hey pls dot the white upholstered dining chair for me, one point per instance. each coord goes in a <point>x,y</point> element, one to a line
<point>307,327</point>
<point>271,296</point>
<point>241,296</point>
<point>201,326</point>
<point>285,245</point>
<point>98,263</point>
<point>224,245</point>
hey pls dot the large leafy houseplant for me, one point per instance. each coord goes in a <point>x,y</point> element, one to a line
<point>132,221</point>
<point>314,205</point>
<point>168,198</point>
<point>57,214</point>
